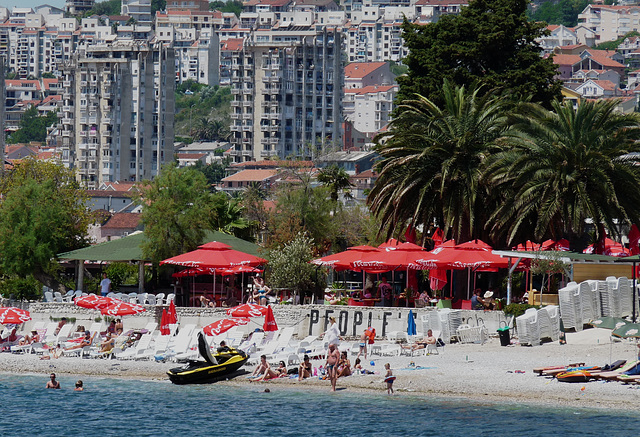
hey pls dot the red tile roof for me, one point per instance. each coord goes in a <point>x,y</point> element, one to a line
<point>108,193</point>
<point>22,82</point>
<point>250,176</point>
<point>560,59</point>
<point>123,220</point>
<point>233,44</point>
<point>358,70</point>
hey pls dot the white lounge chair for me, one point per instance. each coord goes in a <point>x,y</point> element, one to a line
<point>159,299</point>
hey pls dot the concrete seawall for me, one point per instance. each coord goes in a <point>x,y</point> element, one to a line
<point>308,319</point>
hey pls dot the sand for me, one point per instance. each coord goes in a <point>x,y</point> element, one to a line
<point>481,372</point>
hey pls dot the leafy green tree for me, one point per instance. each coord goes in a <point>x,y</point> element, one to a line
<point>234,6</point>
<point>559,168</point>
<point>432,158</point>
<point>121,273</point>
<point>109,7</point>
<point>215,171</point>
<point>158,5</point>
<point>490,41</point>
<point>48,75</point>
<point>228,216</point>
<point>43,213</point>
<point>33,127</point>
<point>335,179</point>
<point>289,266</point>
<point>562,12</point>
<point>20,288</point>
<point>177,210</point>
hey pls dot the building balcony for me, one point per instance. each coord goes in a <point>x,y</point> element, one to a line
<point>236,90</point>
<point>66,133</point>
<point>236,116</point>
<point>247,153</point>
<point>247,116</point>
<point>267,153</point>
<point>236,103</point>
<point>247,91</point>
<point>66,96</point>
<point>247,103</point>
<point>247,128</point>
<point>67,121</point>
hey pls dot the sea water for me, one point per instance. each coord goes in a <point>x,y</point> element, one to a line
<point>156,408</point>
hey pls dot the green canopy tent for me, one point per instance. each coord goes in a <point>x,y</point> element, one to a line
<point>127,249</point>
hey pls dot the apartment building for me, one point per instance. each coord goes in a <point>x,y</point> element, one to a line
<point>116,121</point>
<point>287,84</point>
<point>139,10</point>
<point>369,108</point>
<point>610,22</point>
<point>78,7</point>
<point>194,36</point>
<point>188,5</point>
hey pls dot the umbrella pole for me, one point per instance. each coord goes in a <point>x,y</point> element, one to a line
<point>633,293</point>
<point>468,281</point>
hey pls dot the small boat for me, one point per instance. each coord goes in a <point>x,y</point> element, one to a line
<point>574,376</point>
<point>212,369</point>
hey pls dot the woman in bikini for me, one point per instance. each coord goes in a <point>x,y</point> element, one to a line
<point>344,368</point>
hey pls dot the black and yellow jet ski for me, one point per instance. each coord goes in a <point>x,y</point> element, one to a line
<point>212,369</point>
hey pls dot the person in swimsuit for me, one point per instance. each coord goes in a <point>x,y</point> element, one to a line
<point>333,358</point>
<point>305,368</point>
<point>344,369</point>
<point>261,368</point>
<point>280,372</point>
<point>79,386</point>
<point>52,383</point>
<point>389,378</point>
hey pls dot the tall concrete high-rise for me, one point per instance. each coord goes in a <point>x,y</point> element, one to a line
<point>287,84</point>
<point>2,103</point>
<point>118,108</point>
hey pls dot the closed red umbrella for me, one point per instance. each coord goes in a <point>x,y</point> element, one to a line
<point>438,277</point>
<point>247,310</point>
<point>220,326</point>
<point>634,239</point>
<point>172,315</point>
<point>13,316</point>
<point>164,323</point>
<point>121,308</point>
<point>269,321</point>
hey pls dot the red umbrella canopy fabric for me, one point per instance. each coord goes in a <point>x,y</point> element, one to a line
<point>402,256</point>
<point>463,256</point>
<point>120,308</point>
<point>223,325</point>
<point>247,310</point>
<point>474,245</point>
<point>94,302</point>
<point>391,242</point>
<point>269,321</point>
<point>13,316</point>
<point>343,260</point>
<point>214,255</point>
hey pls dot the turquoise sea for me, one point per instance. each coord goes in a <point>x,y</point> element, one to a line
<point>153,408</point>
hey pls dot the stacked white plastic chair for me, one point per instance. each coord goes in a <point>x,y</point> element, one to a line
<point>549,323</point>
<point>589,308</point>
<point>528,328</point>
<point>570,308</point>
<point>609,297</point>
<point>626,297</point>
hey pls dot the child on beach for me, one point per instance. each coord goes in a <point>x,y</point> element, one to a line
<point>389,378</point>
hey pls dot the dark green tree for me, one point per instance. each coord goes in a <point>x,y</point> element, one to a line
<point>215,171</point>
<point>234,6</point>
<point>432,158</point>
<point>33,127</point>
<point>42,214</point>
<point>559,168</point>
<point>490,41</point>
<point>177,210</point>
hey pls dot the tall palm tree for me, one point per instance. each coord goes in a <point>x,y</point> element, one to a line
<point>559,168</point>
<point>432,159</point>
<point>335,179</point>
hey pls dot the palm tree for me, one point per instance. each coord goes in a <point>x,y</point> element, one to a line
<point>432,159</point>
<point>335,179</point>
<point>559,168</point>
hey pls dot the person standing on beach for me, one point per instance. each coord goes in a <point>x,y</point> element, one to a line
<point>52,383</point>
<point>333,358</point>
<point>332,334</point>
<point>389,378</point>
<point>105,285</point>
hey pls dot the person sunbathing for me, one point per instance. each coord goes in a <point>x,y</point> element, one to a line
<point>344,368</point>
<point>207,303</point>
<point>270,373</point>
<point>86,341</point>
<point>426,340</point>
<point>34,338</point>
<point>304,371</point>
<point>108,344</point>
<point>262,367</point>
<point>53,353</point>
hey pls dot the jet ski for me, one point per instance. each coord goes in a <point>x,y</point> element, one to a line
<point>212,369</point>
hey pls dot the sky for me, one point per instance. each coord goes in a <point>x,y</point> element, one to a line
<point>30,3</point>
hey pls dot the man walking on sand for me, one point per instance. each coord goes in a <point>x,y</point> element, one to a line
<point>333,358</point>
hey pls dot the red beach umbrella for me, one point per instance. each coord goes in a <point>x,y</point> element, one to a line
<point>172,315</point>
<point>402,256</point>
<point>223,325</point>
<point>13,316</point>
<point>343,260</point>
<point>634,239</point>
<point>438,277</point>
<point>120,308</point>
<point>94,302</point>
<point>269,321</point>
<point>214,255</point>
<point>247,310</point>
<point>164,323</point>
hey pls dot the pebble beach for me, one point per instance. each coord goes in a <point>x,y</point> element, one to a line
<point>486,372</point>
